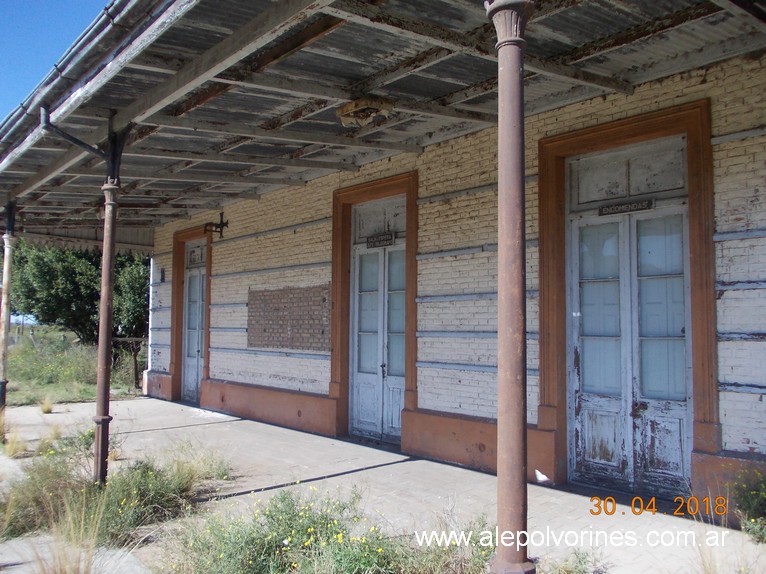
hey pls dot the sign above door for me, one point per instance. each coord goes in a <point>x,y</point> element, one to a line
<point>380,240</point>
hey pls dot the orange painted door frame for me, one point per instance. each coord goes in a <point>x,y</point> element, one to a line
<point>343,202</point>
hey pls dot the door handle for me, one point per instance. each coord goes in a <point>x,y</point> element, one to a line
<point>638,408</point>
<point>383,369</point>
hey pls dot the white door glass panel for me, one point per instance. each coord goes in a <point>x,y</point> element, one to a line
<point>601,366</point>
<point>396,312</point>
<point>366,392</point>
<point>395,355</point>
<point>368,353</point>
<point>368,272</point>
<point>660,246</point>
<point>368,312</point>
<point>662,310</point>
<point>663,369</point>
<point>396,271</point>
<point>600,305</point>
<point>599,252</point>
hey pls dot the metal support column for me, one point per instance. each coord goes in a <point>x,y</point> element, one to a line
<point>102,419</point>
<point>509,18</point>
<point>112,155</point>
<point>103,376</point>
<point>5,302</point>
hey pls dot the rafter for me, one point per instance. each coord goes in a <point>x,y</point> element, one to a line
<point>754,12</point>
<point>280,135</point>
<point>305,37</point>
<point>240,159</point>
<point>191,176</point>
<point>640,32</point>
<point>63,239</point>
<point>290,86</point>
<point>370,15</point>
<point>257,33</point>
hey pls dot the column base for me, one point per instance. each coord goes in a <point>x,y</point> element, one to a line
<point>101,448</point>
<point>498,567</point>
<point>3,393</point>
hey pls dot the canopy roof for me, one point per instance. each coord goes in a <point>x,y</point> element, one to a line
<point>230,99</point>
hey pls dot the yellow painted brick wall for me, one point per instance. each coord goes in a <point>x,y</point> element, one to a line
<point>735,89</point>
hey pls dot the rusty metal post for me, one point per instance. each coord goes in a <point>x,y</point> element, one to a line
<point>509,18</point>
<point>5,302</point>
<point>102,418</point>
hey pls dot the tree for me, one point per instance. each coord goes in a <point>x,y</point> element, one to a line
<point>62,287</point>
<point>131,296</point>
<point>131,304</point>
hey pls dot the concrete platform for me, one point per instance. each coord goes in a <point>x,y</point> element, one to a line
<point>404,494</point>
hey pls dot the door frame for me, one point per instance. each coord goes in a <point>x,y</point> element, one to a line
<point>693,120</point>
<point>342,238</point>
<point>180,239</point>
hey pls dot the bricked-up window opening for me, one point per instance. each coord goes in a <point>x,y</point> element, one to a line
<point>290,318</point>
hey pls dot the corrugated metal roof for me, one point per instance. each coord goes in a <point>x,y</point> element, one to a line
<point>235,96</point>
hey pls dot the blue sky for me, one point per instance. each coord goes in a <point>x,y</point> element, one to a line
<point>34,34</point>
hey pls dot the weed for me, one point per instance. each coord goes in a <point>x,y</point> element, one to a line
<point>37,502</point>
<point>59,496</point>
<point>75,536</point>
<point>207,464</point>
<point>15,446</point>
<point>292,533</point>
<point>578,562</point>
<point>749,495</point>
<point>46,406</point>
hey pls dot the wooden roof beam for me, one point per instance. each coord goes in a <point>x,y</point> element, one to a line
<point>342,95</point>
<point>283,135</point>
<point>65,240</point>
<point>192,177</point>
<point>241,159</point>
<point>363,87</point>
<point>400,70</point>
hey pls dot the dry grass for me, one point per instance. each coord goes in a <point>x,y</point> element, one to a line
<point>46,406</point>
<point>75,537</point>
<point>15,446</point>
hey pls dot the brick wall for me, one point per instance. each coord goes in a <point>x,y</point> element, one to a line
<point>289,318</point>
<point>457,260</point>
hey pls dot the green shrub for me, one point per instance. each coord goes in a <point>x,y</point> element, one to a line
<point>58,494</point>
<point>749,495</point>
<point>142,494</point>
<point>295,534</point>
<point>38,501</point>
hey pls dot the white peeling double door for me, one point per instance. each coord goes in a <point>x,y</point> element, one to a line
<point>377,342</point>
<point>195,288</point>
<point>630,369</point>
